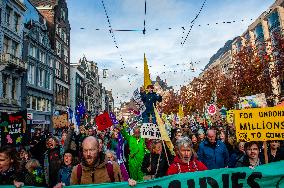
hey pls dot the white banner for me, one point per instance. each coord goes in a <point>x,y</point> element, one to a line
<point>150,130</point>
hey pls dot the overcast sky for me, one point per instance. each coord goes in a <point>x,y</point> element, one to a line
<point>162,47</point>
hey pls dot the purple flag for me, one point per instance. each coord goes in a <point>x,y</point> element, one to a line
<point>113,118</point>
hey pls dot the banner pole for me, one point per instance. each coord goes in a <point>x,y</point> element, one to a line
<point>166,152</point>
<point>265,152</point>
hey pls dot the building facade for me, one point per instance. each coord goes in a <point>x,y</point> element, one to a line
<point>260,35</point>
<point>56,14</point>
<point>77,75</point>
<point>40,58</point>
<point>12,66</point>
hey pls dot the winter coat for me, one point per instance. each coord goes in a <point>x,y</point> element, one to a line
<point>234,158</point>
<point>159,164</point>
<point>8,177</point>
<point>214,156</point>
<point>52,163</point>
<point>149,99</point>
<point>64,175</point>
<point>96,174</point>
<point>35,178</point>
<point>244,162</point>
<point>279,156</point>
<point>180,167</point>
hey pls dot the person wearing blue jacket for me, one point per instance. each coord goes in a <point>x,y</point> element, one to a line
<point>149,99</point>
<point>212,152</point>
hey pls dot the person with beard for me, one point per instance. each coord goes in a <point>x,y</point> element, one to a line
<point>138,149</point>
<point>185,161</point>
<point>252,157</point>
<point>94,169</point>
<point>212,152</point>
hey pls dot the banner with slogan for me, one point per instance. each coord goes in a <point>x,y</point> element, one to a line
<point>262,176</point>
<point>60,121</point>
<point>253,101</point>
<point>14,129</point>
<point>103,121</point>
<point>150,130</point>
<point>259,124</point>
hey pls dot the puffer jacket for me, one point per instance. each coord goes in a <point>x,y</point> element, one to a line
<point>96,174</point>
<point>64,175</point>
<point>214,156</point>
<point>180,167</point>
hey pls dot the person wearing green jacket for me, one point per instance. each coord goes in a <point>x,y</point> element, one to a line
<point>137,147</point>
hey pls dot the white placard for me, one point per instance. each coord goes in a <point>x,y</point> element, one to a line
<point>150,130</point>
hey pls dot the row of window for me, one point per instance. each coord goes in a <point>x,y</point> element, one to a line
<point>44,77</point>
<point>62,51</point>
<point>12,19</point>
<point>61,95</point>
<point>10,47</point>
<point>40,55</point>
<point>10,86</point>
<point>62,71</point>
<point>38,104</point>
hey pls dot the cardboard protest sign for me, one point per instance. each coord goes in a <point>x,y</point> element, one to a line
<point>103,121</point>
<point>138,101</point>
<point>14,128</point>
<point>259,124</point>
<point>150,130</point>
<point>60,121</point>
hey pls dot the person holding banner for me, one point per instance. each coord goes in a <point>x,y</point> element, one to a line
<point>252,158</point>
<point>138,149</point>
<point>185,160</point>
<point>155,164</point>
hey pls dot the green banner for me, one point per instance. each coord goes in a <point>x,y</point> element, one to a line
<point>269,175</point>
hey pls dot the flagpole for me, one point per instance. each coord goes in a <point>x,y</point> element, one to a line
<point>166,152</point>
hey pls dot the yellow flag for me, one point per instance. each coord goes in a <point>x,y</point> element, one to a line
<point>164,134</point>
<point>180,111</point>
<point>147,80</point>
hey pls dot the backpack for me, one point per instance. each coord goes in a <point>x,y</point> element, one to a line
<point>109,167</point>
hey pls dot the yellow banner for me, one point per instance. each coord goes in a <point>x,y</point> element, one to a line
<point>147,79</point>
<point>260,124</point>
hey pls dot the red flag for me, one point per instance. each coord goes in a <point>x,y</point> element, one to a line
<point>103,121</point>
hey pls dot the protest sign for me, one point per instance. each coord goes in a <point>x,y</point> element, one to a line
<point>150,130</point>
<point>262,176</point>
<point>103,121</point>
<point>253,101</point>
<point>138,101</point>
<point>14,128</point>
<point>60,121</point>
<point>260,124</point>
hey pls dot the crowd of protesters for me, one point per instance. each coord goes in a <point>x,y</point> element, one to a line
<point>120,154</point>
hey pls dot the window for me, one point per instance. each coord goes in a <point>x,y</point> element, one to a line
<point>29,102</point>
<point>58,48</point>
<point>31,75</point>
<point>38,104</point>
<point>63,35</point>
<point>63,14</point>
<point>58,69</point>
<point>40,77</point>
<point>14,51</point>
<point>8,15</point>
<point>14,88</point>
<point>33,51</point>
<point>48,81</point>
<point>6,45</point>
<point>48,106</point>
<point>34,102</point>
<point>259,32</point>
<point>16,22</point>
<point>273,20</point>
<point>5,82</point>
<point>41,38</point>
<point>42,56</point>
<point>66,55</point>
<point>66,76</point>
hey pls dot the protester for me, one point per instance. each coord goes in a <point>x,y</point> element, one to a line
<point>156,163</point>
<point>252,157</point>
<point>275,153</point>
<point>212,152</point>
<point>65,171</point>
<point>237,154</point>
<point>138,150</point>
<point>93,168</point>
<point>185,160</point>
<point>149,99</point>
<point>9,166</point>
<point>195,143</point>
<point>34,175</point>
<point>201,135</point>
